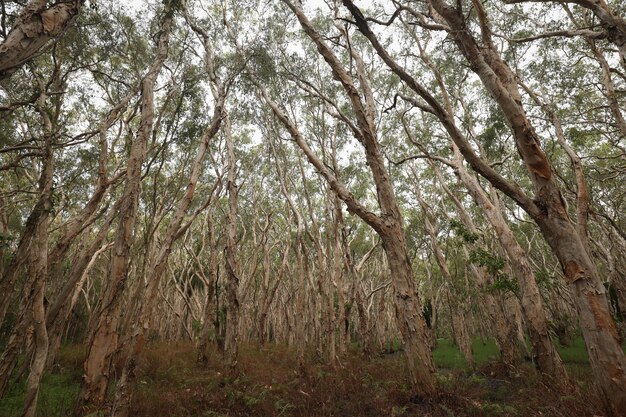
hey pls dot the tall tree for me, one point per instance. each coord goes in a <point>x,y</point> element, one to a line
<point>104,336</point>
<point>389,225</point>
<point>547,207</point>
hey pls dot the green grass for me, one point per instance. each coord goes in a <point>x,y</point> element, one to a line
<point>60,388</point>
<point>448,356</point>
<point>56,397</point>
<point>576,359</point>
<point>575,353</point>
<point>484,352</point>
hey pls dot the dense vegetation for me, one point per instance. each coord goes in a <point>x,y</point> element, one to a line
<point>172,384</point>
<point>200,200</point>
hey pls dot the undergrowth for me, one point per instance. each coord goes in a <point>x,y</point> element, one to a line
<point>171,384</point>
<point>56,397</point>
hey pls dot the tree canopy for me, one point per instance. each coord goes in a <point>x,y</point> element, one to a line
<point>312,173</point>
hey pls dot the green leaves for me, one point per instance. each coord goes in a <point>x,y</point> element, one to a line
<point>494,265</point>
<point>263,63</point>
<point>465,234</point>
<point>5,240</point>
<point>503,283</point>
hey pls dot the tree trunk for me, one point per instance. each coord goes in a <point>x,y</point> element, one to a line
<point>34,27</point>
<point>37,269</point>
<point>230,258</point>
<point>548,209</point>
<point>3,234</point>
<point>60,309</point>
<point>58,326</point>
<point>19,259</point>
<point>12,350</point>
<point>103,338</point>
<point>409,317</point>
<point>34,240</point>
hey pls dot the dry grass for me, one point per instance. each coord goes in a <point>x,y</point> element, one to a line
<point>171,384</point>
<point>267,385</point>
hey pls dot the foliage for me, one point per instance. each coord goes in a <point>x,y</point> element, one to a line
<point>494,265</point>
<point>169,380</point>
<point>461,230</point>
<point>56,396</point>
<point>259,53</point>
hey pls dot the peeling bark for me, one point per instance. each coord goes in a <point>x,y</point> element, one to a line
<point>388,225</point>
<point>549,211</point>
<point>103,339</point>
<point>37,268</point>
<point>34,28</point>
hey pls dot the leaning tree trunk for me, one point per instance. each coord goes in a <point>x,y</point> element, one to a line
<point>37,270</point>
<point>32,252</point>
<point>548,209</point>
<point>13,348</point>
<point>34,284</point>
<point>35,26</point>
<point>408,310</point>
<point>3,232</point>
<point>230,258</point>
<point>58,325</point>
<point>20,258</point>
<point>103,338</point>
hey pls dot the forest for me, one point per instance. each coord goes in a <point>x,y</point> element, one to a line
<point>312,208</point>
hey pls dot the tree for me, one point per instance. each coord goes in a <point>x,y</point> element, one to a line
<point>547,207</point>
<point>389,225</point>
<point>33,29</point>
<point>104,335</point>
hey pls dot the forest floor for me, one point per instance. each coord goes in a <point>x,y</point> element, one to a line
<point>170,384</point>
